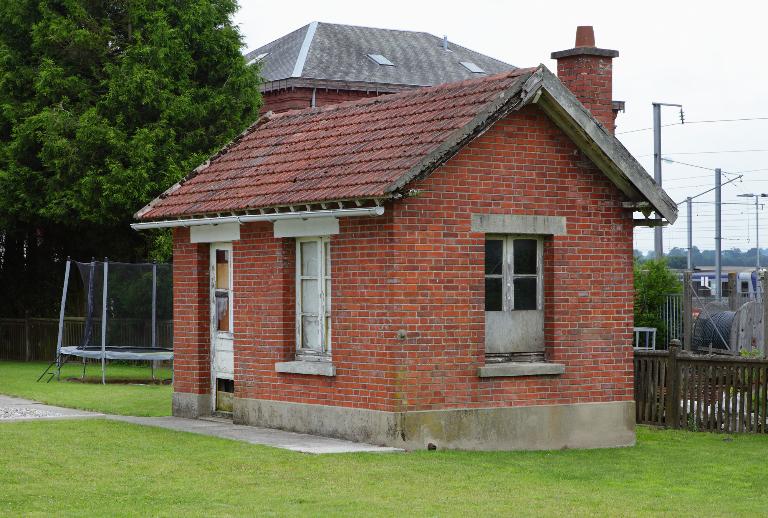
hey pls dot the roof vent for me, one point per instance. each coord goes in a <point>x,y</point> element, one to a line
<point>258,58</point>
<point>472,67</point>
<point>381,60</point>
<point>445,43</point>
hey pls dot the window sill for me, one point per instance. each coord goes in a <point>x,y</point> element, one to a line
<point>512,369</point>
<point>316,368</point>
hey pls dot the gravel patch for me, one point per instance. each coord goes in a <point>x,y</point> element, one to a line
<point>20,412</point>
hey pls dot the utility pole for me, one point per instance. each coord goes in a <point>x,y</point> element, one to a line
<point>757,222</point>
<point>658,242</point>
<point>690,233</point>
<point>718,235</point>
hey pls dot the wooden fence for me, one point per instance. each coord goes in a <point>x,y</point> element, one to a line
<point>34,339</point>
<point>719,394</point>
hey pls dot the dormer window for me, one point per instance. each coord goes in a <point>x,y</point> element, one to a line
<point>472,67</point>
<point>380,60</point>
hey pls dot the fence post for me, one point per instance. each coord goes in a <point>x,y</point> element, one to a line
<point>673,387</point>
<point>687,310</point>
<point>764,349</point>
<point>733,296</point>
<point>27,341</point>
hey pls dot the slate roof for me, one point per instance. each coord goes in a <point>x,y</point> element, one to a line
<point>339,53</point>
<point>352,150</point>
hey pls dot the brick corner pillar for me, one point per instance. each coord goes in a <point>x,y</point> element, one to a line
<point>191,327</point>
<point>588,72</point>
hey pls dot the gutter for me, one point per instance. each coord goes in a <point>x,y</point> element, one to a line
<point>249,218</point>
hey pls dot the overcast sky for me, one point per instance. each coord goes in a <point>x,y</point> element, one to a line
<point>705,55</point>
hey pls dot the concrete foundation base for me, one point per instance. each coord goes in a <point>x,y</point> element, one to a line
<point>191,405</point>
<point>543,427</point>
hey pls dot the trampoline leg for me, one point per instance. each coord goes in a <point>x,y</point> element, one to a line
<point>58,368</point>
<point>83,376</point>
<point>153,370</point>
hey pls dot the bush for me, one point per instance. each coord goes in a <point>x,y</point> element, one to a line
<point>653,282</point>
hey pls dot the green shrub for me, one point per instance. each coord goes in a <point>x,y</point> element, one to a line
<point>653,281</point>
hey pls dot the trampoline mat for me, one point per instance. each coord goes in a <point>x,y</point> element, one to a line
<point>120,353</point>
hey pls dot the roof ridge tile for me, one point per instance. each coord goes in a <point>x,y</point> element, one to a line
<point>388,98</point>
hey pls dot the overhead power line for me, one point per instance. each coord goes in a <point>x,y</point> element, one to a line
<point>687,164</point>
<point>697,166</point>
<point>709,152</point>
<point>709,190</point>
<point>712,121</point>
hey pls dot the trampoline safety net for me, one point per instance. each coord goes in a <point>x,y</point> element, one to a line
<point>130,316</point>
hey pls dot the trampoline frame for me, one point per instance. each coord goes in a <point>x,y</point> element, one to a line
<point>106,352</point>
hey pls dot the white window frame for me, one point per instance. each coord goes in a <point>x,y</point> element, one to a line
<point>324,303</point>
<point>227,247</point>
<point>508,275</point>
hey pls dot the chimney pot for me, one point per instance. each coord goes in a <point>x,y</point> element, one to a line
<point>585,36</point>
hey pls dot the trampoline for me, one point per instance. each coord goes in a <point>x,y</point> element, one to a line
<point>127,313</point>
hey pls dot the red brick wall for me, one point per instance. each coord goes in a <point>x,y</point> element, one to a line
<point>590,78</point>
<point>264,297</point>
<point>300,98</point>
<point>419,269</point>
<point>523,165</point>
<point>191,315</point>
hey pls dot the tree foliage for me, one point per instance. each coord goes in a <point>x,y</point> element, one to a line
<point>103,105</point>
<point>653,282</point>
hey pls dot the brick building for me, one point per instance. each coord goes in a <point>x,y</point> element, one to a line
<point>447,265</point>
<point>326,63</point>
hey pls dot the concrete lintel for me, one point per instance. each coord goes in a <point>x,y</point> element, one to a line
<point>222,232</point>
<point>306,227</point>
<point>511,369</point>
<point>319,368</point>
<point>518,224</point>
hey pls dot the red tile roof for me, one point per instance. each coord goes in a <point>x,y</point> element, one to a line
<point>354,150</point>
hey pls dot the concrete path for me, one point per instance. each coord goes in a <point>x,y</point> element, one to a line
<point>265,436</point>
<point>17,409</point>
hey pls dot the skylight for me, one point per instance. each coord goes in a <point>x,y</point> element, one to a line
<point>472,67</point>
<point>381,60</point>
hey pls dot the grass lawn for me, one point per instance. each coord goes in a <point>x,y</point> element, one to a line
<point>18,379</point>
<point>99,467</point>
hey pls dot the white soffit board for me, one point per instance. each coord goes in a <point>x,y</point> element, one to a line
<point>306,227</point>
<point>214,233</point>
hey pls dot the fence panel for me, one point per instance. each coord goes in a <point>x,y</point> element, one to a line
<point>719,394</point>
<point>34,339</point>
<point>12,339</point>
<point>672,314</point>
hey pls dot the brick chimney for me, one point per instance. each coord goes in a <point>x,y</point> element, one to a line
<point>588,72</point>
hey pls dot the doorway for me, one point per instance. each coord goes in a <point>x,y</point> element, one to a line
<point>222,323</point>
